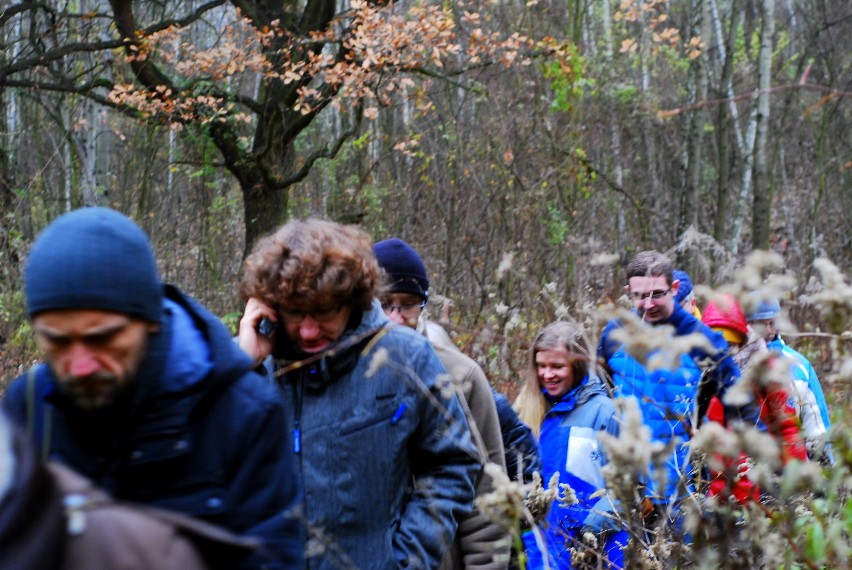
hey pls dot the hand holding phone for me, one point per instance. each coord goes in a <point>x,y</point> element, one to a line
<point>257,329</point>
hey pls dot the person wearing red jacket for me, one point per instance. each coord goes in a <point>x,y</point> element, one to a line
<point>778,416</point>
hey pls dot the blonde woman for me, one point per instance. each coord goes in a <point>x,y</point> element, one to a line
<point>567,405</point>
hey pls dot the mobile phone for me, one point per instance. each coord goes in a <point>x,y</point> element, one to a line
<point>266,327</point>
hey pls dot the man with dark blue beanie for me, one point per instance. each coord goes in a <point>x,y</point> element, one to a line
<point>144,392</point>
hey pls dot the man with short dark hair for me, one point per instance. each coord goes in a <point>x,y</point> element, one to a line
<point>668,399</point>
<point>145,393</point>
<point>384,450</point>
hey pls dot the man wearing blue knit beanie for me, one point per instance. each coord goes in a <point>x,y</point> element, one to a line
<point>144,392</point>
<point>810,399</point>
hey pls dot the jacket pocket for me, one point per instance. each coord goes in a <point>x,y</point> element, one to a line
<point>166,446</point>
<point>207,503</point>
<point>360,424</point>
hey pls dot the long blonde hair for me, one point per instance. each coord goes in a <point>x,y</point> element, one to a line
<point>531,404</point>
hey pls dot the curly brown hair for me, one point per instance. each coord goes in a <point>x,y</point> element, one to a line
<point>312,263</point>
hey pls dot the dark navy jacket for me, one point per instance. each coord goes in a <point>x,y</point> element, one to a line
<point>201,434</point>
<point>522,452</point>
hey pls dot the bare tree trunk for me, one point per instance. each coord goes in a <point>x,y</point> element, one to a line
<point>726,118</point>
<point>698,79</point>
<point>614,132</point>
<point>746,151</point>
<point>745,184</point>
<point>762,207</point>
<point>648,130</point>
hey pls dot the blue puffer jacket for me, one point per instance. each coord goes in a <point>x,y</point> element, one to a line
<point>522,452</point>
<point>385,455</point>
<point>570,447</point>
<point>202,434</point>
<point>668,398</point>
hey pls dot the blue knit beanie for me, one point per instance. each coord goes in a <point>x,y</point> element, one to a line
<point>94,258</point>
<point>765,310</point>
<point>685,287</point>
<point>406,271</point>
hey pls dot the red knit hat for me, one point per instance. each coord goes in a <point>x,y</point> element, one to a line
<point>725,315</point>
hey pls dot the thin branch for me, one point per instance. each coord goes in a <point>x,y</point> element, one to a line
<point>325,152</point>
<point>619,189</point>
<point>715,102</point>
<point>185,21</point>
<point>48,56</point>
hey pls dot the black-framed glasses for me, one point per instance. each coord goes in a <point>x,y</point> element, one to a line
<point>296,316</point>
<point>654,295</point>
<point>404,309</point>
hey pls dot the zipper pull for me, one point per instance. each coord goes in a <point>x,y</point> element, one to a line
<point>297,438</point>
<point>398,414</point>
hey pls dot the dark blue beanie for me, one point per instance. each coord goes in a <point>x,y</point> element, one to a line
<point>94,258</point>
<point>406,271</point>
<point>685,287</point>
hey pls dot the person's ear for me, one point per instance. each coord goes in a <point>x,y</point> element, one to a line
<point>675,285</point>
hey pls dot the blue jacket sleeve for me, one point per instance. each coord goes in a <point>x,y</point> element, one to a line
<point>265,487</point>
<point>445,463</point>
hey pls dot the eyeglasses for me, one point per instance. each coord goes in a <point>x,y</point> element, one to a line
<point>655,295</point>
<point>295,316</point>
<point>408,309</point>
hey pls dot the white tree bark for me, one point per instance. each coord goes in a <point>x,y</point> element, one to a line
<point>762,189</point>
<point>729,87</point>
<point>614,130</point>
<point>755,159</point>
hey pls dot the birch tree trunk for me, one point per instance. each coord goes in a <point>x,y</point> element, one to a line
<point>614,131</point>
<point>726,118</point>
<point>745,184</point>
<point>698,79</point>
<point>762,207</point>
<point>648,130</point>
<point>747,155</point>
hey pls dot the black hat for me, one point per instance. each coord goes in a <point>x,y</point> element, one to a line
<point>404,267</point>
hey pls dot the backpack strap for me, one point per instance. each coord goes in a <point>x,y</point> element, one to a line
<point>39,416</point>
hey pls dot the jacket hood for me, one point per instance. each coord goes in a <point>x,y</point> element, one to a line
<point>725,312</point>
<point>201,348</point>
<point>590,387</point>
<point>32,525</point>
